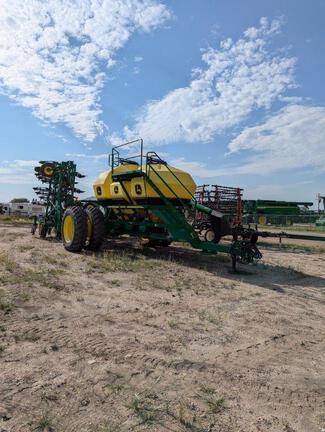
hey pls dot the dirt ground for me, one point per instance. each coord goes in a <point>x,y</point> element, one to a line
<point>136,339</point>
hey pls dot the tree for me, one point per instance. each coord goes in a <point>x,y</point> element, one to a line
<point>22,200</point>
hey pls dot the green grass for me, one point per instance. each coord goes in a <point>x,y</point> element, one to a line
<point>25,248</point>
<point>173,324</point>
<point>115,282</point>
<point>6,307</point>
<point>216,405</point>
<point>152,411</point>
<point>147,411</point>
<point>45,423</point>
<point>211,318</point>
<point>115,388</point>
<point>28,337</point>
<point>55,261</point>
<point>184,417</point>
<point>107,426</point>
<point>14,220</point>
<point>302,227</point>
<point>24,297</point>
<point>114,262</point>
<point>207,390</point>
<point>15,274</point>
<point>8,263</point>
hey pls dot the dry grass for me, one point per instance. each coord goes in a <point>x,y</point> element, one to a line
<point>14,273</point>
<point>113,262</point>
<point>45,423</point>
<point>137,340</point>
<point>14,220</point>
<point>5,304</point>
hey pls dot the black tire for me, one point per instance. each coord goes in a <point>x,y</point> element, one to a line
<point>220,227</point>
<point>98,229</point>
<point>254,238</point>
<point>77,238</point>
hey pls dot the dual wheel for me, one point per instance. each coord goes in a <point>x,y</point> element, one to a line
<point>83,228</point>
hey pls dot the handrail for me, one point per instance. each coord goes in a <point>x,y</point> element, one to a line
<point>117,153</point>
<point>128,143</point>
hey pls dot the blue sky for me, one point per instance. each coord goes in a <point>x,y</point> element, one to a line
<point>232,91</point>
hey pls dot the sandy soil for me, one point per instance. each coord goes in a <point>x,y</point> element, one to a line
<point>138,339</point>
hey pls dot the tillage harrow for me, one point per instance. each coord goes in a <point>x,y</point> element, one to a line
<point>140,196</point>
<point>57,194</point>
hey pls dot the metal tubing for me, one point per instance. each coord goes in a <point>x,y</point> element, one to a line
<point>290,236</point>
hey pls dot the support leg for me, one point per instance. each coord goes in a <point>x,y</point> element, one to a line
<point>34,225</point>
<point>234,262</point>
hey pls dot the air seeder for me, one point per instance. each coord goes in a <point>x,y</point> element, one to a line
<point>140,196</point>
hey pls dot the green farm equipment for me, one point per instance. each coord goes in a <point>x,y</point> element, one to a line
<point>145,197</point>
<point>57,194</point>
<point>140,196</point>
<point>271,212</point>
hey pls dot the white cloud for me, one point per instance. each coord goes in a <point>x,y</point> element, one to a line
<point>276,191</point>
<point>90,157</point>
<point>202,170</point>
<point>138,59</point>
<point>238,78</point>
<point>17,172</point>
<point>293,99</point>
<point>14,179</point>
<point>291,138</point>
<point>18,163</point>
<point>197,169</point>
<point>52,54</point>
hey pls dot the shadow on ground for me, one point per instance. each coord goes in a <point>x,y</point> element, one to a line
<point>269,276</point>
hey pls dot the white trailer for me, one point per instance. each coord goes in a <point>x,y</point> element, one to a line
<point>36,210</point>
<point>22,209</point>
<point>19,208</point>
<point>5,208</point>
